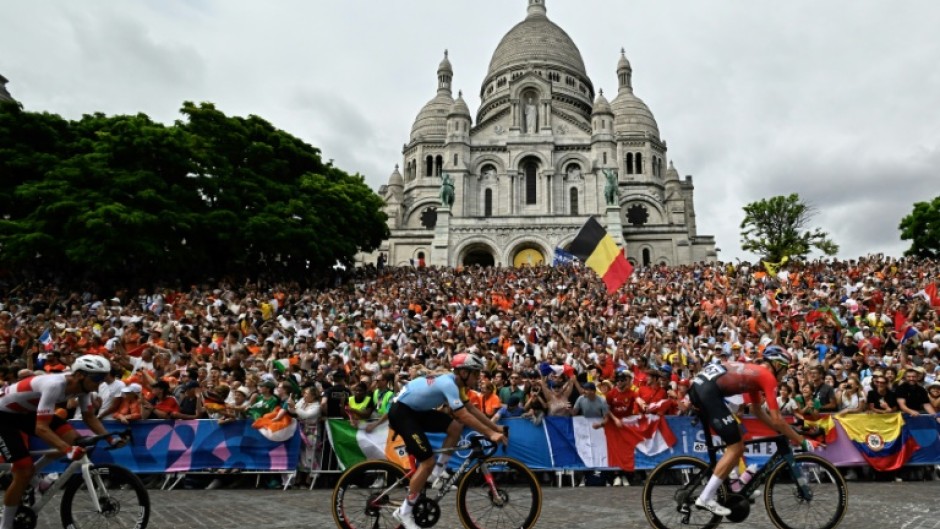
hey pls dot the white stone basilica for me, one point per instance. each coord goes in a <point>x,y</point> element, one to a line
<point>534,165</point>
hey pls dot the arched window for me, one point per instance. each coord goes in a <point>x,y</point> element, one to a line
<point>646,257</point>
<point>439,165</point>
<point>605,157</point>
<point>629,163</point>
<point>639,163</point>
<point>456,157</point>
<point>654,166</point>
<point>660,167</point>
<point>488,203</point>
<point>429,166</point>
<point>573,199</point>
<point>531,183</point>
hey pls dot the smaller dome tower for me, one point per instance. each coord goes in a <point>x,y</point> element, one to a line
<point>431,123</point>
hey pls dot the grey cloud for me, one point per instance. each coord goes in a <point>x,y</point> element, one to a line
<point>833,100</point>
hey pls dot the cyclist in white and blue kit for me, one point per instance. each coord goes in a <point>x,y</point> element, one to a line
<point>415,411</point>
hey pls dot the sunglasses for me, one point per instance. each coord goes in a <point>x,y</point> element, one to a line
<point>97,378</point>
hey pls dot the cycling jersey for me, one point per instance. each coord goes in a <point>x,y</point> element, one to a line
<point>39,396</point>
<point>715,382</point>
<point>747,379</point>
<point>431,392</point>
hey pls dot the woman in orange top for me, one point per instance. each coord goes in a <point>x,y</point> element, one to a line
<point>489,401</point>
<point>130,406</point>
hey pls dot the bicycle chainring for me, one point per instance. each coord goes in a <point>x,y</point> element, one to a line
<point>25,518</point>
<point>426,512</point>
<point>740,508</point>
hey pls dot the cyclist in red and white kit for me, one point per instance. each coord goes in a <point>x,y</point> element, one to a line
<point>708,392</point>
<point>28,408</point>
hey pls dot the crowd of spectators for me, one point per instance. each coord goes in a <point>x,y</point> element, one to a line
<point>866,333</point>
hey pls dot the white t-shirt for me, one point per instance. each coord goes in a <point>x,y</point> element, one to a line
<point>108,392</point>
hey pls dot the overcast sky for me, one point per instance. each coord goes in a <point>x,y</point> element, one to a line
<point>838,101</point>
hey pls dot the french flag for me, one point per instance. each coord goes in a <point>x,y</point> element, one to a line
<point>46,340</point>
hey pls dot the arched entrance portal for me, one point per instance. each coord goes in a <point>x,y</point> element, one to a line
<point>528,257</point>
<point>478,257</point>
<point>478,254</point>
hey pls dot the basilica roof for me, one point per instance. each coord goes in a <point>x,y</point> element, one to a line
<point>4,95</point>
<point>537,40</point>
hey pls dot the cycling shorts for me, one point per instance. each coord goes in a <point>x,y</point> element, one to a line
<point>712,410</point>
<point>411,425</point>
<point>15,430</point>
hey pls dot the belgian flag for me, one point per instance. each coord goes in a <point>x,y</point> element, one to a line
<point>597,249</point>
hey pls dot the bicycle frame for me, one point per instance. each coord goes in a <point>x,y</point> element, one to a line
<point>475,456</point>
<point>782,455</point>
<point>46,458</point>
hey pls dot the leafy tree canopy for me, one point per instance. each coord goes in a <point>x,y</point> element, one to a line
<point>123,199</point>
<point>922,228</point>
<point>777,227</point>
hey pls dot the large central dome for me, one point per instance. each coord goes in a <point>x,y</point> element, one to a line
<point>537,40</point>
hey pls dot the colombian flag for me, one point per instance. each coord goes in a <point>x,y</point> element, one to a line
<point>883,440</point>
<point>597,249</point>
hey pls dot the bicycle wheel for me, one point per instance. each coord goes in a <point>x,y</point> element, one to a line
<point>787,510</point>
<point>516,504</point>
<point>356,502</point>
<point>670,492</point>
<point>122,496</point>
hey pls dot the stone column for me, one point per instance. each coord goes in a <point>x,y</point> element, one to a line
<point>614,226</point>
<point>440,248</point>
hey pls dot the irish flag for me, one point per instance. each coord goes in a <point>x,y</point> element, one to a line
<point>353,444</point>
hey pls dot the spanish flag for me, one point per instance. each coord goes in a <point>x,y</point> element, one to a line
<point>597,249</point>
<point>883,440</point>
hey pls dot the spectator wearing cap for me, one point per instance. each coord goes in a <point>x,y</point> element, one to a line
<point>621,399</point>
<point>265,401</point>
<point>130,409</point>
<point>933,392</point>
<point>510,410</point>
<point>161,404</point>
<point>590,405</point>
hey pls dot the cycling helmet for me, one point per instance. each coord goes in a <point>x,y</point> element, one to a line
<point>467,361</point>
<point>91,364</point>
<point>775,353</point>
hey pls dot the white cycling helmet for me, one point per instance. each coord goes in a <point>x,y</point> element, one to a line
<point>91,364</point>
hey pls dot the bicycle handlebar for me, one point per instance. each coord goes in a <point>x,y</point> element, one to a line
<point>90,441</point>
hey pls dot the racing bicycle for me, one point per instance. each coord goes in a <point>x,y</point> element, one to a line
<point>94,495</point>
<point>802,490</point>
<point>492,492</point>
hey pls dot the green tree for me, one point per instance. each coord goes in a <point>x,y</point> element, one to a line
<point>777,227</point>
<point>922,227</point>
<point>125,200</point>
<point>275,207</point>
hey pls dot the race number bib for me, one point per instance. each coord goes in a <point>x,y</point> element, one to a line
<point>712,371</point>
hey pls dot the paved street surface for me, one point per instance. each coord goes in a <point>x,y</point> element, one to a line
<point>911,505</point>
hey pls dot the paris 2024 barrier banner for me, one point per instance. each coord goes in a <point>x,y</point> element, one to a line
<point>161,446</point>
<point>884,442</point>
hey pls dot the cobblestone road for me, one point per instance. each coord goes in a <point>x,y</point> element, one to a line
<point>871,505</point>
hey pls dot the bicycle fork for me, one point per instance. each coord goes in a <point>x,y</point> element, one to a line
<point>802,484</point>
<point>92,483</point>
<point>496,497</point>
